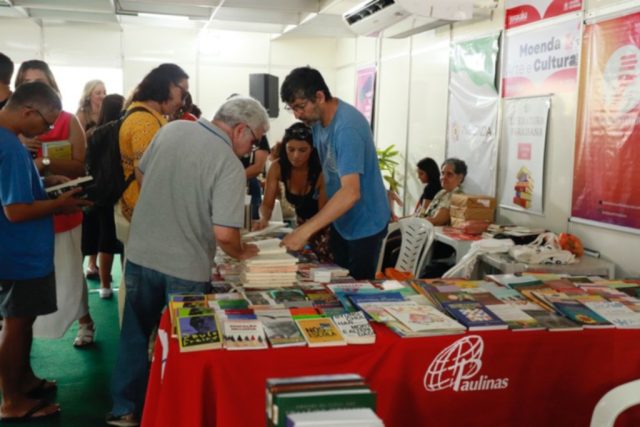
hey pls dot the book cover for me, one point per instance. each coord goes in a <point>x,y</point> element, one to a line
<point>552,321</point>
<point>320,332</point>
<point>355,328</point>
<point>422,318</point>
<point>280,296</point>
<point>377,311</point>
<point>515,317</point>
<point>617,313</point>
<point>580,314</point>
<point>319,400</point>
<point>244,335</point>
<point>83,182</point>
<point>57,150</point>
<point>199,332</point>
<point>474,316</point>
<point>364,297</point>
<point>280,328</point>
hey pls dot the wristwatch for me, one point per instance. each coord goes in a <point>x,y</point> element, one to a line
<point>46,162</point>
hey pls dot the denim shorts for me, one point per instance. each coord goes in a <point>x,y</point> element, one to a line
<point>28,298</point>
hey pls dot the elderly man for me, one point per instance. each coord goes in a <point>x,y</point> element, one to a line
<point>27,280</point>
<point>192,197</point>
<point>358,209</point>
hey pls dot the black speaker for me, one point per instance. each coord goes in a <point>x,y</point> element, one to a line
<point>264,88</point>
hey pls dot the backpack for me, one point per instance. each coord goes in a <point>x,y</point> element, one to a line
<point>104,163</point>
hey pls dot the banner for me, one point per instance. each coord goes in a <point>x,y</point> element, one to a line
<point>524,136</point>
<point>606,181</point>
<point>521,12</point>
<point>365,91</point>
<point>473,112</point>
<point>541,61</point>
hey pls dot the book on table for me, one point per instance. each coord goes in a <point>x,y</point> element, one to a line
<point>320,332</point>
<point>355,328</point>
<point>199,332</point>
<point>617,313</point>
<point>474,315</point>
<point>269,246</point>
<point>514,317</point>
<point>357,417</point>
<point>553,322</point>
<point>424,318</point>
<point>580,314</point>
<point>244,335</point>
<point>280,328</point>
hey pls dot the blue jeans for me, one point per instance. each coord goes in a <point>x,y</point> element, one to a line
<point>147,295</point>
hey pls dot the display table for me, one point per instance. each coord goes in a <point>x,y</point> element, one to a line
<point>586,266</point>
<point>458,241</point>
<point>503,378</point>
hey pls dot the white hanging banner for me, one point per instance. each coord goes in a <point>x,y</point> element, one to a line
<point>542,60</point>
<point>521,12</point>
<point>524,136</point>
<point>473,112</point>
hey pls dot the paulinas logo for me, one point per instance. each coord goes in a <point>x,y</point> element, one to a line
<point>457,365</point>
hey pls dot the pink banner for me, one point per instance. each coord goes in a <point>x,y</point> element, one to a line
<point>521,12</point>
<point>365,91</point>
<point>606,174</point>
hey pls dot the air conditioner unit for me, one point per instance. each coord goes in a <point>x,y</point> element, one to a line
<point>374,16</point>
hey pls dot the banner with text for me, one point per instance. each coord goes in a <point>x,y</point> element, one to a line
<point>541,61</point>
<point>365,91</point>
<point>524,135</point>
<point>606,181</point>
<point>473,112</point>
<point>521,12</point>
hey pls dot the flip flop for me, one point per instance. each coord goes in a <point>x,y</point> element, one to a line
<point>43,387</point>
<point>29,415</point>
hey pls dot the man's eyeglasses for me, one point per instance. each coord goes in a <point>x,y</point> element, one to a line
<point>296,107</point>
<point>255,138</point>
<point>50,126</point>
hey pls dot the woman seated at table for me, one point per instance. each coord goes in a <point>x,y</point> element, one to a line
<point>298,168</point>
<point>452,174</point>
<point>429,175</point>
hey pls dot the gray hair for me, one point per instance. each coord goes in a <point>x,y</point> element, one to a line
<point>459,166</point>
<point>241,109</point>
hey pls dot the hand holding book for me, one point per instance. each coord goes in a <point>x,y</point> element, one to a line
<point>68,202</point>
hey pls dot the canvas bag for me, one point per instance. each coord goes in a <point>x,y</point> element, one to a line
<point>545,249</point>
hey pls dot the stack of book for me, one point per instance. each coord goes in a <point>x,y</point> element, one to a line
<point>296,395</point>
<point>273,267</point>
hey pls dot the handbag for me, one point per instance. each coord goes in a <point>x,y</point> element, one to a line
<point>545,249</point>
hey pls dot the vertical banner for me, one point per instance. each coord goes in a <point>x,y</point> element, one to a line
<point>524,136</point>
<point>541,61</point>
<point>473,111</point>
<point>521,12</point>
<point>365,91</point>
<point>606,181</point>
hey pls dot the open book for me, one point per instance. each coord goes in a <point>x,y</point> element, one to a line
<point>83,182</point>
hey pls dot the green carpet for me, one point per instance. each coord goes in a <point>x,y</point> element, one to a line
<point>83,375</point>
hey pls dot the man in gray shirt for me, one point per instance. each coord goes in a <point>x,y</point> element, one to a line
<point>192,197</point>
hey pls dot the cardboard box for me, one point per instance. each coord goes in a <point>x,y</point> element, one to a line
<point>471,213</point>
<point>473,201</point>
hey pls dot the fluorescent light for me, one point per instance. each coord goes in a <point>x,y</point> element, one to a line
<point>163,16</point>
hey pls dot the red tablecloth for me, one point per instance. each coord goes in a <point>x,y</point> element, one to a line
<point>503,378</point>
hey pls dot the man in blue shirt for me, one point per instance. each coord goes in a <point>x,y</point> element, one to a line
<point>358,209</point>
<point>27,280</point>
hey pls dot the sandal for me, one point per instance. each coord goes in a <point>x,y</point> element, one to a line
<point>31,413</point>
<point>86,331</point>
<point>93,274</point>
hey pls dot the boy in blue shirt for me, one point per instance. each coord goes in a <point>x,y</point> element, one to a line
<point>358,208</point>
<point>27,281</point>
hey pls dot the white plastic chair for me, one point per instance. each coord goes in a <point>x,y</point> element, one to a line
<point>615,402</point>
<point>415,249</point>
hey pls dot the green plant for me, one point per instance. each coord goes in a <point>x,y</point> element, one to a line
<point>387,163</point>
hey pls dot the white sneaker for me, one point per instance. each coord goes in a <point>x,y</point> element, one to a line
<point>105,293</point>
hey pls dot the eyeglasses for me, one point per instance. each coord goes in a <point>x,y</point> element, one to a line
<point>297,107</point>
<point>299,132</point>
<point>255,138</point>
<point>50,126</point>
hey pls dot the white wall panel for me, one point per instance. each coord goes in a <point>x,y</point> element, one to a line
<point>83,45</point>
<point>20,39</point>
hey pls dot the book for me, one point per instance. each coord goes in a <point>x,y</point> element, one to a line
<point>244,335</point>
<point>199,332</point>
<point>364,297</point>
<point>355,328</point>
<point>552,321</point>
<point>580,314</point>
<point>357,417</point>
<point>319,400</point>
<point>617,313</point>
<point>270,246</point>
<point>280,328</point>
<point>423,318</point>
<point>475,316</point>
<point>320,332</point>
<point>515,317</point>
<point>83,182</point>
<point>60,150</point>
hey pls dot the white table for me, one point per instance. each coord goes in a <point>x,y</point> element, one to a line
<point>586,266</point>
<point>461,246</point>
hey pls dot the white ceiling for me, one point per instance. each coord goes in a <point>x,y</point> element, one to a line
<point>315,18</point>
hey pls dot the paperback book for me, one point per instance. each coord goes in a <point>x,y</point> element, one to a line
<point>280,328</point>
<point>320,332</point>
<point>199,332</point>
<point>244,335</point>
<point>475,316</point>
<point>355,328</point>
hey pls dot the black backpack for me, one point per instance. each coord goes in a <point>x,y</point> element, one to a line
<point>104,163</point>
